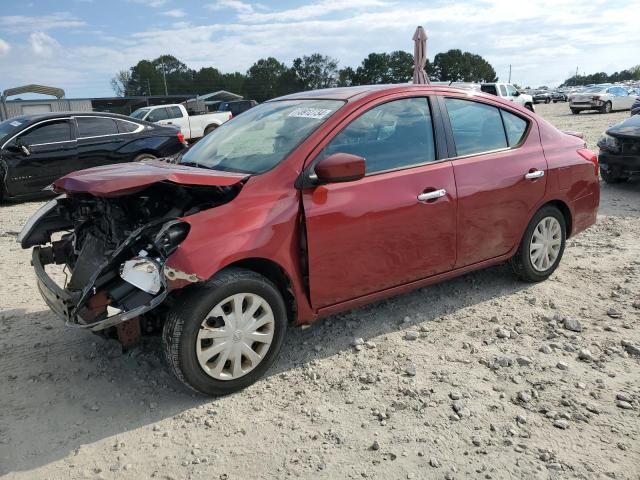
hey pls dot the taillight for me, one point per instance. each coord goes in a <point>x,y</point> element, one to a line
<point>589,155</point>
<point>180,137</point>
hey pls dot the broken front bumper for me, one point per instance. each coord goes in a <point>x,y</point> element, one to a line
<point>67,304</point>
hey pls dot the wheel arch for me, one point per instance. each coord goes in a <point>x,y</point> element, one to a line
<point>564,209</point>
<point>275,273</point>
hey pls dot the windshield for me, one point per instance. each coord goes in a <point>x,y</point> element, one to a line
<point>8,126</point>
<point>261,137</point>
<point>140,113</point>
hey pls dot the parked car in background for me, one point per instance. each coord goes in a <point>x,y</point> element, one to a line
<point>236,107</point>
<point>192,126</point>
<point>541,96</point>
<point>35,150</point>
<point>508,92</point>
<point>635,108</point>
<point>557,96</point>
<point>604,99</point>
<point>305,206</point>
<point>620,151</point>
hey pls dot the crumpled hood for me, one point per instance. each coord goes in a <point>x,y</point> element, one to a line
<point>126,178</point>
<point>630,128</point>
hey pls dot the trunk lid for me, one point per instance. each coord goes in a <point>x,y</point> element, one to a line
<point>126,178</point>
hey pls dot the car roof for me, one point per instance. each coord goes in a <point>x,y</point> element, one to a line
<point>45,116</point>
<point>361,91</point>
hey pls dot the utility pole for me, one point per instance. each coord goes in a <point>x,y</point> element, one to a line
<point>509,74</point>
<point>164,76</point>
<point>576,76</point>
<point>148,88</point>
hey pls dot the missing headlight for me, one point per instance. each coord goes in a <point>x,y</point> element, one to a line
<point>170,236</point>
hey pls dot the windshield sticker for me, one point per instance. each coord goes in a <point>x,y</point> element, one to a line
<point>15,123</point>
<point>309,113</point>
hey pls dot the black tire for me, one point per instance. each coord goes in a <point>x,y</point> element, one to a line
<point>144,156</point>
<point>209,129</point>
<point>529,107</point>
<point>183,322</point>
<point>575,111</point>
<point>547,100</point>
<point>612,177</point>
<point>521,262</point>
<point>606,108</point>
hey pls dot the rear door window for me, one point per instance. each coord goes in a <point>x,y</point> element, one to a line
<point>489,89</point>
<point>174,112</point>
<point>477,127</point>
<point>503,91</point>
<point>393,135</point>
<point>96,126</point>
<point>126,127</point>
<point>49,132</point>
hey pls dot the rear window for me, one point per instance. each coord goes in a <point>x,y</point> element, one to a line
<point>96,127</point>
<point>489,89</point>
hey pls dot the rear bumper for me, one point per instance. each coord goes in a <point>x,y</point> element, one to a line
<point>66,303</point>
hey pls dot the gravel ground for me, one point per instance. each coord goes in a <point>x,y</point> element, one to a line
<point>478,377</point>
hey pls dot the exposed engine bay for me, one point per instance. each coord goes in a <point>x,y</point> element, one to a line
<point>113,249</point>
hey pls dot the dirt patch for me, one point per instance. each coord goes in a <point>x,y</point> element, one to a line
<point>479,377</point>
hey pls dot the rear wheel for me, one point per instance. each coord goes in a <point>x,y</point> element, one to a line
<point>529,106</point>
<point>542,246</point>
<point>547,100</point>
<point>575,111</point>
<point>611,176</point>
<point>209,129</point>
<point>144,156</point>
<point>224,335</point>
<point>606,108</point>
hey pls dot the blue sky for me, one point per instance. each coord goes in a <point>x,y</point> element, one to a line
<point>79,45</point>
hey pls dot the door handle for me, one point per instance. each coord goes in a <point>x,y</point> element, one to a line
<point>535,174</point>
<point>424,197</point>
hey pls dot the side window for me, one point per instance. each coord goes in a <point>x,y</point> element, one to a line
<point>174,112</point>
<point>126,127</point>
<point>477,127</point>
<point>511,90</point>
<point>503,91</point>
<point>514,126</point>
<point>95,127</point>
<point>393,135</point>
<point>489,89</point>
<point>157,115</point>
<point>50,132</point>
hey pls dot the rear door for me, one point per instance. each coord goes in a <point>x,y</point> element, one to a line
<point>375,233</point>
<point>500,173</point>
<point>50,150</point>
<point>175,116</point>
<point>99,141</point>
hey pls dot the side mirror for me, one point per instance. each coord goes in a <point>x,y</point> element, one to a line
<point>15,148</point>
<point>340,167</point>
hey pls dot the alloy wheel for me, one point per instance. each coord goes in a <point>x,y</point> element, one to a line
<point>235,336</point>
<point>545,244</point>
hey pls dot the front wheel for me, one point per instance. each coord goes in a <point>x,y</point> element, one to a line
<point>542,246</point>
<point>607,108</point>
<point>575,111</point>
<point>144,156</point>
<point>529,107</point>
<point>223,336</point>
<point>547,100</point>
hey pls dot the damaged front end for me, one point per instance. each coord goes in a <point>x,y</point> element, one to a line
<point>111,251</point>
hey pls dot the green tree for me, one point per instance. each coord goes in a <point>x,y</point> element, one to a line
<point>380,68</point>
<point>316,71</point>
<point>458,66</point>
<point>346,76</point>
<point>263,79</point>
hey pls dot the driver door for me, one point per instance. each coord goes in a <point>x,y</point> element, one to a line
<point>49,150</point>
<point>394,226</point>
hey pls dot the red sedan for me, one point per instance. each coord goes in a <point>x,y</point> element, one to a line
<point>305,206</point>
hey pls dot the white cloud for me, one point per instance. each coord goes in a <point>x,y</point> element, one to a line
<point>237,5</point>
<point>23,23</point>
<point>175,13</point>
<point>4,47</point>
<point>150,3</point>
<point>43,44</point>
<point>315,10</point>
